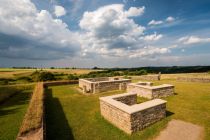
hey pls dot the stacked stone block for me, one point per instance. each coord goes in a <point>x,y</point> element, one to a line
<point>123,112</point>
<point>97,85</point>
<point>149,91</point>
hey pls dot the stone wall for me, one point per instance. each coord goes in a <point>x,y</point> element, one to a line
<point>89,86</point>
<point>188,79</point>
<point>151,92</point>
<point>129,116</point>
<point>86,85</point>
<point>128,99</point>
<point>147,77</point>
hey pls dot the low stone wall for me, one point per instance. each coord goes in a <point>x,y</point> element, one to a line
<point>123,112</point>
<point>151,92</point>
<point>97,86</point>
<point>129,99</point>
<point>148,77</point>
<point>187,79</point>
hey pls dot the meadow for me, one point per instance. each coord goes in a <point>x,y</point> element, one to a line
<point>13,109</point>
<point>72,115</point>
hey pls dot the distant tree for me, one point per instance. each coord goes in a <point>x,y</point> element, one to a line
<point>95,68</point>
<point>73,77</point>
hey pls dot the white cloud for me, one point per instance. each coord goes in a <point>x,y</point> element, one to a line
<point>149,51</point>
<point>59,11</point>
<point>21,18</point>
<point>154,22</point>
<point>109,31</point>
<point>193,40</point>
<point>170,19</point>
<point>135,11</point>
<point>153,37</point>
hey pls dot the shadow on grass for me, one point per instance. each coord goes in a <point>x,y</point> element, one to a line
<point>57,127</point>
<point>169,113</point>
<point>175,93</point>
<point>10,106</point>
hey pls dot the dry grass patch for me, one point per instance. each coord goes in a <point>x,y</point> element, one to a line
<point>34,116</point>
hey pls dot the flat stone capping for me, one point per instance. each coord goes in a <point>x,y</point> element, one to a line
<point>134,108</point>
<point>149,91</point>
<point>102,84</point>
<point>123,111</point>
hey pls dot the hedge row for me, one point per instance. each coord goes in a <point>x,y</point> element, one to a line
<point>57,83</point>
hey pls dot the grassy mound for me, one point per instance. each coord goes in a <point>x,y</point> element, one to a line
<point>34,116</point>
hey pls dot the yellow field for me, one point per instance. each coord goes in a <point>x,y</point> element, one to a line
<point>11,73</point>
<point>174,76</point>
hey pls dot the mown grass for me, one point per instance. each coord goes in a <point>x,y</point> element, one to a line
<point>8,91</point>
<point>71,115</point>
<point>12,112</point>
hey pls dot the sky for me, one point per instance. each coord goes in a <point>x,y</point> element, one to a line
<point>104,33</point>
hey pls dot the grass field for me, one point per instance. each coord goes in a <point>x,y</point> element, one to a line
<point>12,112</point>
<point>71,115</point>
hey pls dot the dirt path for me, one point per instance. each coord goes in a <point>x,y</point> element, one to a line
<point>180,130</point>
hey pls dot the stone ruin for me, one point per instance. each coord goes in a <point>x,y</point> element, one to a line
<point>147,90</point>
<point>123,111</point>
<point>102,84</point>
<point>151,77</point>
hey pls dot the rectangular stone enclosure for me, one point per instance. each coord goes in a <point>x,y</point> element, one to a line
<point>97,85</point>
<point>145,89</point>
<point>123,111</point>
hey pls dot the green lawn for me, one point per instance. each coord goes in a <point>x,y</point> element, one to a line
<point>71,115</point>
<point>12,112</point>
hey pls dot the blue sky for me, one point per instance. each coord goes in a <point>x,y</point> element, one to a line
<point>104,33</point>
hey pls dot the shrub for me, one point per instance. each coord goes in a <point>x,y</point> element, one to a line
<point>5,81</point>
<point>24,78</point>
<point>73,77</point>
<point>42,76</point>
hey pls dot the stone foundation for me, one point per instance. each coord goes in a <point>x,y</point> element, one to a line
<point>97,85</point>
<point>148,77</point>
<point>123,112</point>
<point>145,89</point>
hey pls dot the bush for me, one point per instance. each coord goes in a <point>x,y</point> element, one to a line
<point>5,81</point>
<point>42,76</point>
<point>24,78</point>
<point>72,77</point>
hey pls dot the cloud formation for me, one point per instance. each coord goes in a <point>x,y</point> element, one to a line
<point>22,19</point>
<point>187,40</point>
<point>169,19</point>
<point>154,22</point>
<point>153,37</point>
<point>111,31</point>
<point>59,11</point>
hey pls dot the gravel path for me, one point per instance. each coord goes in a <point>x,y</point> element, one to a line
<point>180,130</point>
